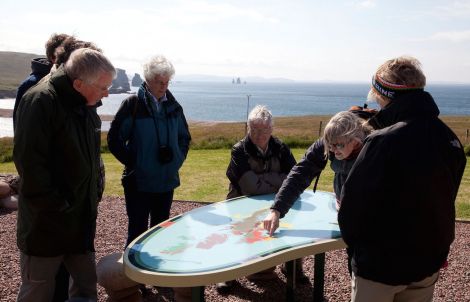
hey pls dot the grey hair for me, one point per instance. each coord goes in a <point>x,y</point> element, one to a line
<point>158,65</point>
<point>345,125</point>
<point>87,65</point>
<point>261,114</point>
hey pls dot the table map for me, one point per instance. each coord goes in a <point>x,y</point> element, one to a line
<point>230,233</point>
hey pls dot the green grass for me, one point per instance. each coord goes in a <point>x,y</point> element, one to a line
<point>203,178</point>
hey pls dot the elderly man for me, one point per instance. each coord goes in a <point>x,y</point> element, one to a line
<point>258,165</point>
<point>150,136</point>
<point>397,212</point>
<point>56,153</point>
<point>259,162</point>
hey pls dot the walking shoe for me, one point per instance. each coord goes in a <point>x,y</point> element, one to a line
<point>223,288</point>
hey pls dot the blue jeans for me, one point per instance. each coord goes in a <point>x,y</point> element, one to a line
<point>142,205</point>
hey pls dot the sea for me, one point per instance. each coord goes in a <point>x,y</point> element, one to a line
<point>227,102</point>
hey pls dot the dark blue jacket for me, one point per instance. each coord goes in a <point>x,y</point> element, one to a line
<point>40,67</point>
<point>132,139</point>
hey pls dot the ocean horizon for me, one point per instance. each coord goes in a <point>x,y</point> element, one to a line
<point>227,102</point>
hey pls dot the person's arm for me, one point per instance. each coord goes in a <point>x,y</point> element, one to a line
<point>27,83</point>
<point>298,179</point>
<point>287,161</point>
<point>184,136</point>
<point>34,153</point>
<point>120,131</point>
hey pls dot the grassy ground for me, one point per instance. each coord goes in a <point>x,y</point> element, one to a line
<point>203,178</point>
<point>203,174</point>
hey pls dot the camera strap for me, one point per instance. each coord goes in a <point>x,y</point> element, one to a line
<point>155,123</point>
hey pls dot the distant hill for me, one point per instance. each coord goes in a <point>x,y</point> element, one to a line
<point>14,68</point>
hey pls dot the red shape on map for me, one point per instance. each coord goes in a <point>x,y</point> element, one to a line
<point>166,224</point>
<point>254,236</point>
<point>212,240</point>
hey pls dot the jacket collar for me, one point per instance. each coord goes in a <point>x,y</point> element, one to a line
<point>144,95</point>
<point>64,87</point>
<point>411,105</point>
<point>251,148</point>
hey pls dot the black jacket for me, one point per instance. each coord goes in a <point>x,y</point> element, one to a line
<point>56,153</point>
<point>397,212</point>
<point>252,173</point>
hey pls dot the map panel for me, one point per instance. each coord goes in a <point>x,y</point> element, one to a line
<point>228,233</point>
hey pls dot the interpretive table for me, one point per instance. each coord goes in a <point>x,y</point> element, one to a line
<point>225,240</point>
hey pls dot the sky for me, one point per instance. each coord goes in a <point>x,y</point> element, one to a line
<point>339,41</point>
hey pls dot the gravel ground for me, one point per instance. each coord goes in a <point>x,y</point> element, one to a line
<point>454,283</point>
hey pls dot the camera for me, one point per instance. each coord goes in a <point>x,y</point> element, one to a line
<point>165,154</point>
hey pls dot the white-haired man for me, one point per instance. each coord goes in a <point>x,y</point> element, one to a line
<point>57,153</point>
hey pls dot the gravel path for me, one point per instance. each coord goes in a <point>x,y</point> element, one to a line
<point>454,284</point>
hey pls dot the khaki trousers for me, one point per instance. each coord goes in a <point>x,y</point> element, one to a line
<point>38,277</point>
<point>363,290</point>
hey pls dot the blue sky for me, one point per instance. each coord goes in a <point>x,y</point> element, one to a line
<point>300,40</point>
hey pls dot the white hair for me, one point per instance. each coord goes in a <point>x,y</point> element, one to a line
<point>158,65</point>
<point>261,114</point>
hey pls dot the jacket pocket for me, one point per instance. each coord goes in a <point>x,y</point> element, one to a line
<point>128,180</point>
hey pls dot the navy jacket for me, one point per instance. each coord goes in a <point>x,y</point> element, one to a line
<point>40,67</point>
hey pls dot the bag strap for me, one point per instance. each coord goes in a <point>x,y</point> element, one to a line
<point>316,183</point>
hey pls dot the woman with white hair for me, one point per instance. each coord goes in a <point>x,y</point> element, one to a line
<point>341,143</point>
<point>150,136</point>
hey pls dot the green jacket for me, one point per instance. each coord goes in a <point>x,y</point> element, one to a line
<point>56,153</point>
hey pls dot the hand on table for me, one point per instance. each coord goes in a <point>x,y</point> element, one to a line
<point>271,222</point>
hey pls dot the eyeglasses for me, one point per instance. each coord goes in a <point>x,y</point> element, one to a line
<point>161,83</point>
<point>338,146</point>
<point>261,130</point>
<point>101,88</point>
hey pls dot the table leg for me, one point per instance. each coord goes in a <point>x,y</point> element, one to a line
<point>319,277</point>
<point>290,290</point>
<point>197,294</point>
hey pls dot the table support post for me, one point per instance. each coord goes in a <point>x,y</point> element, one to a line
<point>197,294</point>
<point>319,277</point>
<point>290,289</point>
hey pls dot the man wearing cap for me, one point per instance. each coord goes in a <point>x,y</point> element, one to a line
<point>397,210</point>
